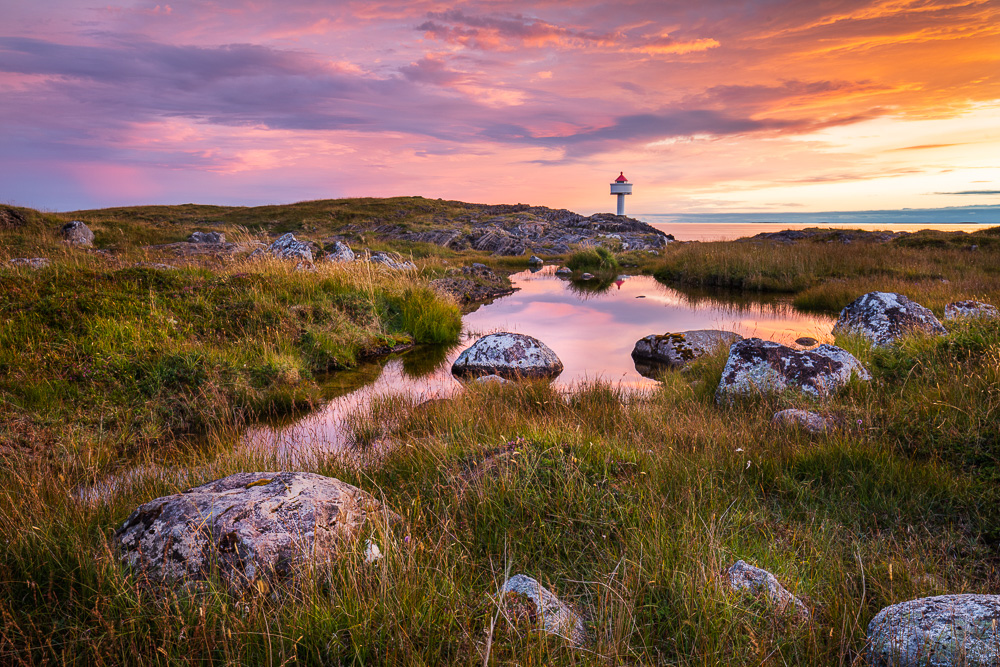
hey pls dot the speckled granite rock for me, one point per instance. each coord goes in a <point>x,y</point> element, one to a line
<point>937,631</point>
<point>809,421</point>
<point>508,355</point>
<point>676,349</point>
<point>885,317</point>
<point>542,609</point>
<point>763,366</point>
<point>77,233</point>
<point>761,584</point>
<point>339,252</point>
<point>246,526</point>
<point>288,247</point>
<point>960,309</point>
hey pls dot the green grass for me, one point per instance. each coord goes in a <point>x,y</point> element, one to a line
<point>596,259</point>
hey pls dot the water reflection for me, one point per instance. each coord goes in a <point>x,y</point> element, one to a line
<point>591,328</point>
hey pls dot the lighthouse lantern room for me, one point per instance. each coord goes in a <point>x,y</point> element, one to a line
<point>621,187</point>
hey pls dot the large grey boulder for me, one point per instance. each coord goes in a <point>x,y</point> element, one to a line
<point>885,317</point>
<point>509,355</point>
<point>207,237</point>
<point>340,252</point>
<point>741,577</point>
<point>804,419</point>
<point>543,609</point>
<point>676,349</point>
<point>971,309</point>
<point>288,247</point>
<point>758,366</point>
<point>75,232</point>
<point>247,526</point>
<point>937,631</point>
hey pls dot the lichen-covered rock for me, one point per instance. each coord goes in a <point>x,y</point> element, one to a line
<point>525,597</point>
<point>809,421</point>
<point>339,252</point>
<point>490,379</point>
<point>937,631</point>
<point>762,366</point>
<point>246,526</point>
<point>31,262</point>
<point>288,247</point>
<point>761,584</point>
<point>393,261</point>
<point>676,349</point>
<point>960,309</point>
<point>510,355</point>
<point>885,317</point>
<point>207,237</point>
<point>76,233</point>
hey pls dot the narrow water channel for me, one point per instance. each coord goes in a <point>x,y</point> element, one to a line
<point>591,327</point>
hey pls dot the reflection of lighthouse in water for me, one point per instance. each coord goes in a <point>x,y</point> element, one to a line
<point>621,187</point>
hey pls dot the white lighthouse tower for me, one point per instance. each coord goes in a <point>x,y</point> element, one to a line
<point>621,187</point>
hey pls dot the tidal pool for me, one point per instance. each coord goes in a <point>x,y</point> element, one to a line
<point>591,326</point>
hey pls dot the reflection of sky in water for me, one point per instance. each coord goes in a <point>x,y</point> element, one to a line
<point>592,332</point>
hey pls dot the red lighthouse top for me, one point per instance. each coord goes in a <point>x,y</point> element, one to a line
<point>621,178</point>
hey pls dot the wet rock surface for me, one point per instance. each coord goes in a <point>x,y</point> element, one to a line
<point>761,366</point>
<point>207,237</point>
<point>76,232</point>
<point>525,601</point>
<point>247,526</point>
<point>885,317</point>
<point>808,421</point>
<point>741,577</point>
<point>937,631</point>
<point>509,355</point>
<point>677,349</point>
<point>971,309</point>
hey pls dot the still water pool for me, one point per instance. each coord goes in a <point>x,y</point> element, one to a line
<point>592,327</point>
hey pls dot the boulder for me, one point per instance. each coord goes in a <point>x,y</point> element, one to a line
<point>564,271</point>
<point>937,631</point>
<point>884,317</point>
<point>207,237</point>
<point>393,261</point>
<point>30,262</point>
<point>676,349</point>
<point>246,526</point>
<point>288,247</point>
<point>509,355</point>
<point>535,260</point>
<point>525,599</point>
<point>960,309</point>
<point>762,366</point>
<point>761,584</point>
<point>75,232</point>
<point>809,421</point>
<point>339,252</point>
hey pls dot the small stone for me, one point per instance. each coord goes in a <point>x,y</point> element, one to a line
<point>885,317</point>
<point>970,309</point>
<point>809,421</point>
<point>564,271</point>
<point>587,276</point>
<point>393,261</point>
<point>77,233</point>
<point>340,252</point>
<point>545,611</point>
<point>763,585</point>
<point>31,262</point>
<point>372,552</point>
<point>806,341</point>
<point>207,237</point>
<point>510,355</point>
<point>536,260</point>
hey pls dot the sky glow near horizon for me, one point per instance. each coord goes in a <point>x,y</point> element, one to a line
<point>723,106</point>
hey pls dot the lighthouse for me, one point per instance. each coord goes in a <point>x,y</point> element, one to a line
<point>621,187</point>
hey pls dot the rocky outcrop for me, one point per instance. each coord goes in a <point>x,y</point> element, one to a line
<point>761,584</point>
<point>393,261</point>
<point>288,247</point>
<point>525,601</point>
<point>807,421</point>
<point>30,262</point>
<point>509,355</point>
<point>885,317</point>
<point>339,252</point>
<point>247,526</point>
<point>207,237</point>
<point>477,283</point>
<point>77,233</point>
<point>763,366</point>
<point>677,349</point>
<point>971,309</point>
<point>937,631</point>
<point>827,235</point>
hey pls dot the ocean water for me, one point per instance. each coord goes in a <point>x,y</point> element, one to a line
<point>727,231</point>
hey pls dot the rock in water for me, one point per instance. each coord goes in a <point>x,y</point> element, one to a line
<point>207,237</point>
<point>534,260</point>
<point>77,233</point>
<point>676,349</point>
<point>885,317</point>
<point>508,355</point>
<point>247,526</point>
<point>564,271</point>
<point>960,309</point>
<point>339,252</point>
<point>763,366</point>
<point>544,608</point>
<point>937,631</point>
<point>763,585</point>
<point>810,421</point>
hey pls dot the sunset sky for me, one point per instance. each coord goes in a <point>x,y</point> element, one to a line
<point>720,106</point>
